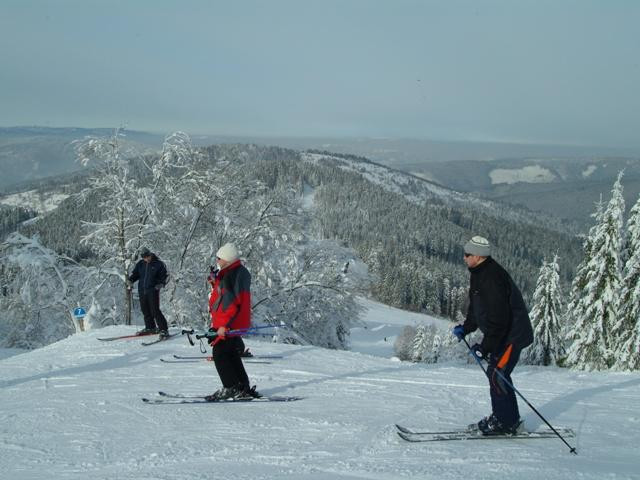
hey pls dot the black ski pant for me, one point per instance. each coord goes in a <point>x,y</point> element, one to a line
<point>150,306</point>
<point>503,398</point>
<point>226,356</point>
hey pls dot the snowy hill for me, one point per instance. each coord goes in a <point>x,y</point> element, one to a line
<point>72,410</point>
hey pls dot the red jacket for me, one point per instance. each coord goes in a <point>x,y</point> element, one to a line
<point>230,300</point>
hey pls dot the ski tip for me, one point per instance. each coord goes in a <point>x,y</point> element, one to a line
<point>402,429</point>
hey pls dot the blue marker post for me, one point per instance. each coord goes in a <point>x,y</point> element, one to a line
<point>79,313</point>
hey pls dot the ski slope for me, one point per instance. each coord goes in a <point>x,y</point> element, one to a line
<point>73,410</point>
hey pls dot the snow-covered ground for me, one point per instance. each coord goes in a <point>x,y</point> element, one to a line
<point>72,410</point>
<point>528,174</point>
<point>381,326</point>
<point>42,203</point>
<point>10,352</point>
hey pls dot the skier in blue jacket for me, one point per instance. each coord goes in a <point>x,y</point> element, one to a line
<point>151,274</point>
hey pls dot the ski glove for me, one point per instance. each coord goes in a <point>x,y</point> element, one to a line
<point>458,331</point>
<point>479,352</point>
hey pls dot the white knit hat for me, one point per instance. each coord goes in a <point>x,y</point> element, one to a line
<point>478,246</point>
<point>228,252</point>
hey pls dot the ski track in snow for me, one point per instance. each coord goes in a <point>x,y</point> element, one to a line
<point>73,410</point>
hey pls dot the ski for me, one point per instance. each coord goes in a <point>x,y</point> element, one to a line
<point>470,431</point>
<point>443,437</point>
<point>248,354</point>
<point>187,399</point>
<point>125,337</point>
<point>158,340</point>
<point>181,360</point>
<point>200,357</point>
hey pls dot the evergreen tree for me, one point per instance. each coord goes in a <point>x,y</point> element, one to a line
<point>627,329</point>
<point>421,344</point>
<point>546,316</point>
<point>595,307</point>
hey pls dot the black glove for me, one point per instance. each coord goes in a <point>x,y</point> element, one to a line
<point>479,352</point>
<point>213,272</point>
<point>211,335</point>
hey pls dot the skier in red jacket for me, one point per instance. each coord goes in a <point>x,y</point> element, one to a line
<point>230,308</point>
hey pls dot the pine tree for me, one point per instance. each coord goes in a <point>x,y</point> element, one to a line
<point>546,314</point>
<point>595,306</point>
<point>627,329</point>
<point>421,344</point>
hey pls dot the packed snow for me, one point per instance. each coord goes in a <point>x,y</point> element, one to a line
<point>73,410</point>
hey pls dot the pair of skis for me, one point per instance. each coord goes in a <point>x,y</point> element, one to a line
<point>178,359</point>
<point>138,335</point>
<point>419,436</point>
<point>178,398</point>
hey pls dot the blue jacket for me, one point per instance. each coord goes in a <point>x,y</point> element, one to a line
<point>150,276</point>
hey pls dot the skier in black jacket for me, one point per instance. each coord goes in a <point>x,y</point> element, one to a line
<point>497,308</point>
<point>151,274</point>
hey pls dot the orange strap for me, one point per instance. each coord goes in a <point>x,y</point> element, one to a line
<point>505,357</point>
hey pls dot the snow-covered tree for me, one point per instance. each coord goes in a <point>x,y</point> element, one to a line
<point>302,285</point>
<point>627,330</point>
<point>422,343</point>
<point>404,343</point>
<point>429,343</point>
<point>546,316</point>
<point>38,294</point>
<point>595,305</point>
<point>117,238</point>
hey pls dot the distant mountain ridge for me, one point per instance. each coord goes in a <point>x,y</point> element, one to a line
<point>562,187</point>
<point>407,230</point>
<point>32,153</point>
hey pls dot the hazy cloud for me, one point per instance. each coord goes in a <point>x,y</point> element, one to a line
<point>532,71</point>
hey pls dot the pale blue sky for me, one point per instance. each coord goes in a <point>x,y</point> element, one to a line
<point>556,71</point>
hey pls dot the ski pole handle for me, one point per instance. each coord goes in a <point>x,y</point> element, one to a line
<point>472,353</point>
<point>188,333</point>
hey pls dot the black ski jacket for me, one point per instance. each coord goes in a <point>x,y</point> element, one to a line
<point>149,275</point>
<point>497,308</point>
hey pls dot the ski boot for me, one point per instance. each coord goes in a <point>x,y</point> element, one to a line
<point>146,331</point>
<point>494,426</point>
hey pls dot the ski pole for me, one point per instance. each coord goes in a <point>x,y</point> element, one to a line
<point>497,370</point>
<point>242,331</point>
<point>250,329</point>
